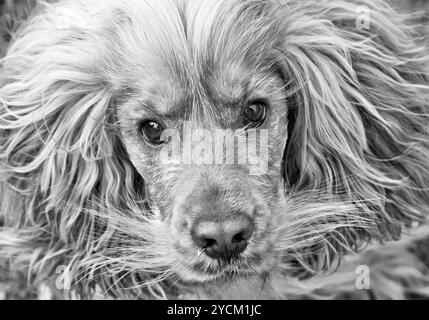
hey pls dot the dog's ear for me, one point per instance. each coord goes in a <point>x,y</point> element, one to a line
<point>59,150</point>
<point>359,107</point>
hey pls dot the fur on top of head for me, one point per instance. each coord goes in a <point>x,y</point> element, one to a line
<point>349,116</point>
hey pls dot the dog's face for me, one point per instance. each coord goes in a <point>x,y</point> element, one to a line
<point>217,203</point>
<point>212,140</point>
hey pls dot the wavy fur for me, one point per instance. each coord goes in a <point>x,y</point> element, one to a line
<point>356,165</point>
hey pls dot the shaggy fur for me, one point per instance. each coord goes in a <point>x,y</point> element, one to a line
<point>348,154</point>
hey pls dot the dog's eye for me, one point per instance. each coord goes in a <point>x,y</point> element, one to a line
<point>254,114</point>
<point>152,131</point>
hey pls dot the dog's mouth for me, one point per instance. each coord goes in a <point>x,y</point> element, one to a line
<point>207,271</point>
<point>212,274</point>
<point>232,265</point>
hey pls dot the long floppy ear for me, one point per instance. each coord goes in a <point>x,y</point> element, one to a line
<point>59,150</point>
<point>360,110</point>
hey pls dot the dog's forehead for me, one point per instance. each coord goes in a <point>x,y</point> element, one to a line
<point>212,51</point>
<point>174,92</point>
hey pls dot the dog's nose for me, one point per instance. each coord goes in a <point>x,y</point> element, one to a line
<point>224,239</point>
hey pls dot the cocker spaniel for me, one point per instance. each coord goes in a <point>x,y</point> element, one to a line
<point>216,149</point>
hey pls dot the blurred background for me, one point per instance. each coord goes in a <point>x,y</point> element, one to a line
<point>12,12</point>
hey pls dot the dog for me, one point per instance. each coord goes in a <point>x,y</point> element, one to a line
<point>267,149</point>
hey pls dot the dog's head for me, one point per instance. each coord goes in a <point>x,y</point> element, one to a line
<point>211,140</point>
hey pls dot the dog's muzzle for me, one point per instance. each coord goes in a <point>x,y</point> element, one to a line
<point>217,217</point>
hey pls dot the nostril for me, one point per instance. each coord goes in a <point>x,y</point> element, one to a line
<point>202,242</point>
<point>244,232</point>
<point>239,237</point>
<point>205,237</point>
<point>209,243</point>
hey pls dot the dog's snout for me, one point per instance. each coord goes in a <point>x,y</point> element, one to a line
<point>222,240</point>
